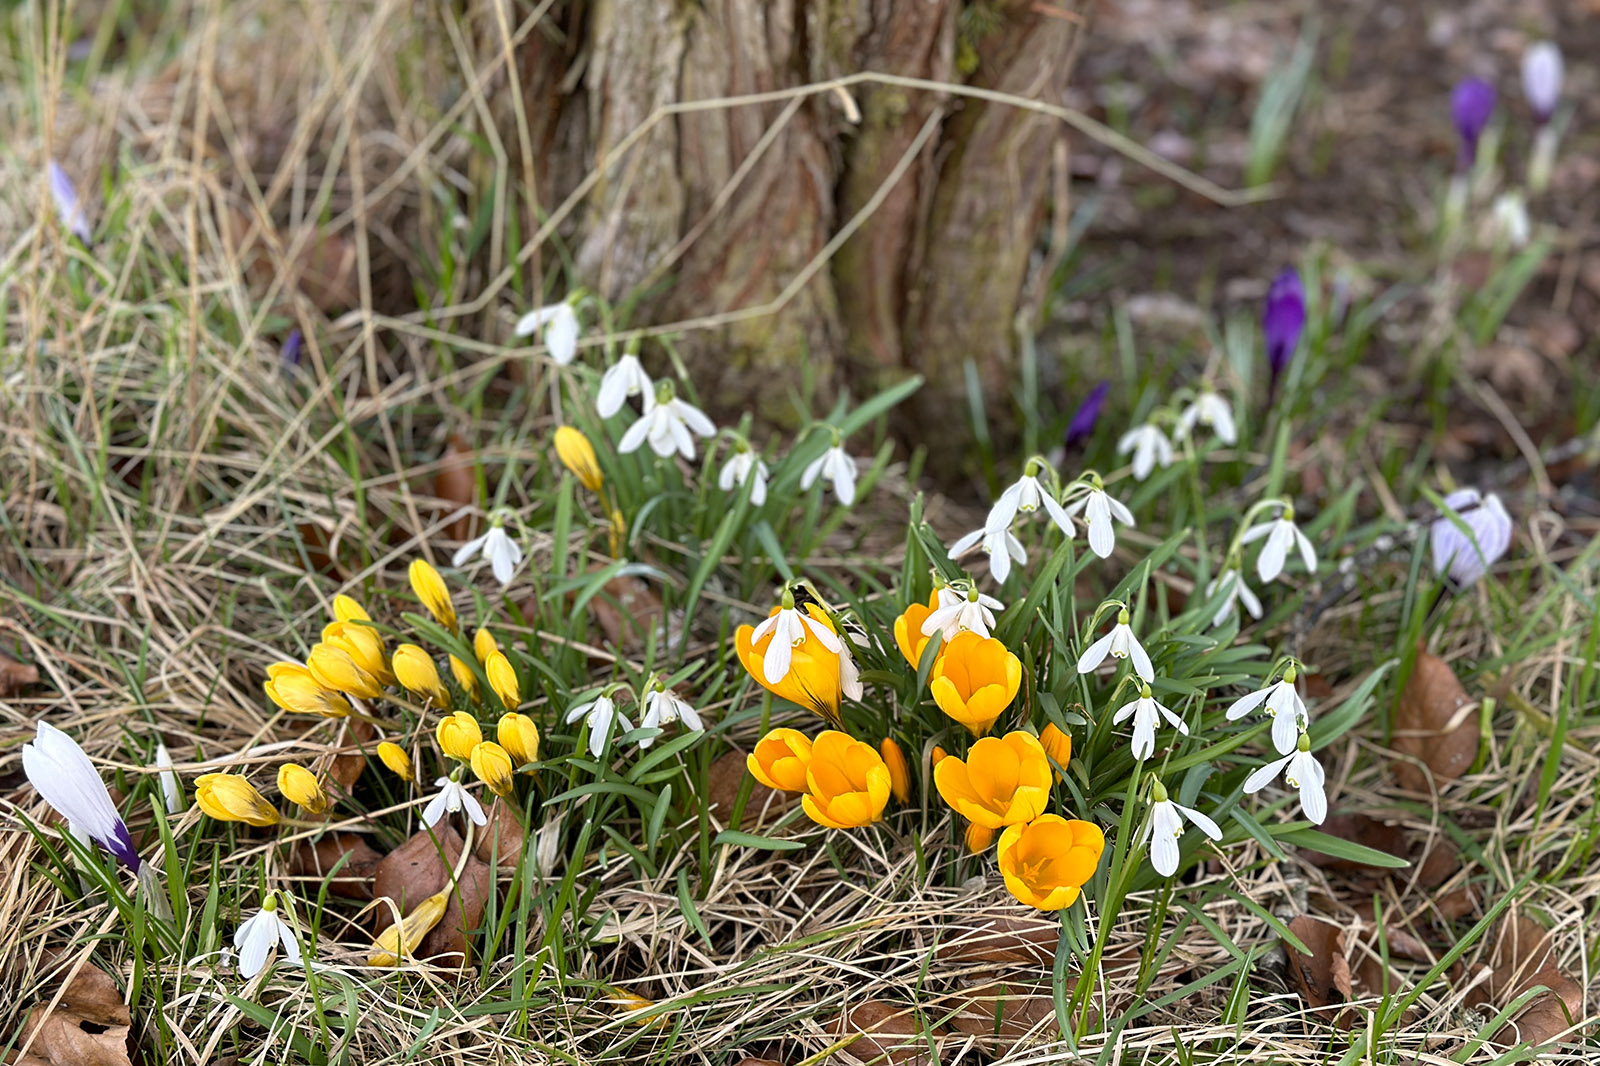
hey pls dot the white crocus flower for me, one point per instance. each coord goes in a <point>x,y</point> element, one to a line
<point>742,466</point>
<point>498,548</point>
<point>1120,643</point>
<point>1024,497</point>
<point>1099,507</point>
<point>1284,706</point>
<point>601,714</point>
<point>1209,409</point>
<point>1146,714</point>
<point>668,424</point>
<point>1150,448</point>
<point>1166,826</point>
<point>559,323</point>
<point>171,789</point>
<point>788,628</point>
<point>1465,558</point>
<point>999,544</point>
<point>1282,534</point>
<point>1300,770</point>
<point>1235,591</point>
<point>455,799</point>
<point>61,773</point>
<point>624,378</point>
<point>256,937</point>
<point>838,468</point>
<point>958,610</point>
<point>662,707</point>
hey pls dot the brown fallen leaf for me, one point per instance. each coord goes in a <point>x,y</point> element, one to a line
<point>723,779</point>
<point>888,1034</point>
<point>1435,724</point>
<point>1323,977</point>
<point>315,858</point>
<point>456,484</point>
<point>1005,1014</point>
<point>628,611</point>
<point>416,870</point>
<point>1029,939</point>
<point>1358,829</point>
<point>345,768</point>
<point>501,840</point>
<point>758,1062</point>
<point>90,1026</point>
<point>15,676</point>
<point>1524,958</point>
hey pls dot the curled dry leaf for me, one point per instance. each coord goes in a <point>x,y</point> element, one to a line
<point>1005,1014</point>
<point>501,840</point>
<point>1434,724</point>
<point>1323,977</point>
<point>1524,958</point>
<point>421,867</point>
<point>456,484</point>
<point>15,676</point>
<point>1029,939</point>
<point>357,862</point>
<point>723,779</point>
<point>88,1027</point>
<point>889,1034</point>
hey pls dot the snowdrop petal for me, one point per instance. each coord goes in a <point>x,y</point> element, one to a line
<point>1201,821</point>
<point>256,943</point>
<point>1245,704</point>
<point>1285,733</point>
<point>1096,654</point>
<point>467,551</point>
<point>812,471</point>
<point>613,391</point>
<point>1263,776</point>
<point>634,436</point>
<point>1141,662</point>
<point>1144,736</point>
<point>1308,553</point>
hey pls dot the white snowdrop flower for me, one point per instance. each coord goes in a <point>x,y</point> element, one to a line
<point>1285,707</point>
<point>1024,497</point>
<point>1235,592</point>
<point>68,208</point>
<point>1120,643</point>
<point>1211,410</point>
<point>1150,448</point>
<point>959,610</point>
<point>256,938</point>
<point>1166,826</point>
<point>788,628</point>
<point>1542,73</point>
<point>1454,553</point>
<point>171,789</point>
<point>1282,534</point>
<point>1508,223</point>
<point>838,468</point>
<point>999,544</point>
<point>662,707</point>
<point>61,773</point>
<point>559,326</point>
<point>601,714</point>
<point>624,378</point>
<point>1099,507</point>
<point>496,546</point>
<point>742,466</point>
<point>668,424</point>
<point>849,673</point>
<point>1300,770</point>
<point>1146,714</point>
<point>455,799</point>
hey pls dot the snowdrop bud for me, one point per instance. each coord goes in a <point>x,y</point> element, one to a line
<point>1542,71</point>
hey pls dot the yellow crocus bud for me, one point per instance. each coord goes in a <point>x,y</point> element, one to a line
<point>363,644</point>
<point>230,798</point>
<point>899,770</point>
<point>1047,862</point>
<point>483,644</point>
<point>415,671</point>
<point>466,679</point>
<point>335,668</point>
<point>577,455</point>
<point>430,589</point>
<point>781,760</point>
<point>346,609</point>
<point>503,679</point>
<point>978,838</point>
<point>300,787</point>
<point>619,533</point>
<point>1058,746</point>
<point>292,687</point>
<point>396,759</point>
<point>847,785</point>
<point>458,734</point>
<point>938,755</point>
<point>492,764</point>
<point>519,735</point>
<point>403,937</point>
<point>974,680</point>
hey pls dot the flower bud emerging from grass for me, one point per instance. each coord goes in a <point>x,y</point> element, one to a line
<point>1058,746</point>
<point>335,668</point>
<point>493,766</point>
<point>402,938</point>
<point>431,590</point>
<point>458,734</point>
<point>519,735</point>
<point>396,759</point>
<point>466,679</point>
<point>978,838</point>
<point>414,669</point>
<point>899,771</point>
<point>577,455</point>
<point>975,680</point>
<point>292,687</point>
<point>346,609</point>
<point>781,760</point>
<point>230,798</point>
<point>300,787</point>
<point>483,644</point>
<point>503,679</point>
<point>908,635</point>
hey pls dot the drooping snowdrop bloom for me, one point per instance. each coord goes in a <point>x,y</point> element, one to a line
<point>999,544</point>
<point>1300,770</point>
<point>624,378</point>
<point>969,610</point>
<point>1235,592</point>
<point>1465,559</point>
<point>1471,106</point>
<point>1087,415</point>
<point>1150,448</point>
<point>1542,72</point>
<point>1146,714</point>
<point>1211,410</point>
<point>668,424</point>
<point>256,938</point>
<point>171,789</point>
<point>788,628</point>
<point>1283,320</point>
<point>601,715</point>
<point>1284,706</point>
<point>68,208</point>
<point>496,546</point>
<point>1166,826</point>
<point>1099,507</point>
<point>662,707</point>
<point>1120,643</point>
<point>837,467</point>
<point>1281,534</point>
<point>1024,497</point>
<point>61,773</point>
<point>744,466</point>
<point>455,799</point>
<point>558,328</point>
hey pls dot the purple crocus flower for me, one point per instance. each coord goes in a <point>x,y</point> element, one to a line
<point>1084,419</point>
<point>1470,107</point>
<point>1455,554</point>
<point>65,194</point>
<point>291,350</point>
<point>61,773</point>
<point>1283,320</point>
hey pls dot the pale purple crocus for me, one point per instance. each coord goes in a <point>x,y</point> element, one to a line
<point>1088,413</point>
<point>1542,71</point>
<point>1471,106</point>
<point>291,349</point>
<point>68,209</point>
<point>1283,320</point>
<point>1462,558</point>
